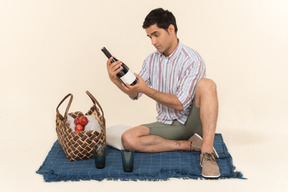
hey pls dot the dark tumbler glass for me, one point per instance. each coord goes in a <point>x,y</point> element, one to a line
<point>127,160</point>
<point>100,156</point>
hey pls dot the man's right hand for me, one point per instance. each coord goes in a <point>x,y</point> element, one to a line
<point>113,69</point>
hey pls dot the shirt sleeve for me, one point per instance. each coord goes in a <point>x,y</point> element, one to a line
<point>193,72</point>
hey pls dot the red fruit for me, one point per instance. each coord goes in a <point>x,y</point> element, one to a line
<point>76,121</point>
<point>77,132</point>
<point>79,128</point>
<point>83,120</point>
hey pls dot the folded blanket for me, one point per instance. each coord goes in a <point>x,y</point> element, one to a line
<point>147,166</point>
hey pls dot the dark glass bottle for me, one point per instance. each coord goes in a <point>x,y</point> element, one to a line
<point>126,75</point>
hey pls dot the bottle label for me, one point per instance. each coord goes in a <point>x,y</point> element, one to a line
<point>129,77</point>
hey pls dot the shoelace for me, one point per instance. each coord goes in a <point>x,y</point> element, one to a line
<point>208,157</point>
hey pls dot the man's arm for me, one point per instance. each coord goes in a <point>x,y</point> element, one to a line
<point>166,99</point>
<point>169,100</point>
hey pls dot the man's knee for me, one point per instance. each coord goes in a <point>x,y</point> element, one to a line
<point>127,139</point>
<point>206,85</point>
<point>130,138</point>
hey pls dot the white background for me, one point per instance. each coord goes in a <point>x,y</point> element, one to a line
<point>50,48</point>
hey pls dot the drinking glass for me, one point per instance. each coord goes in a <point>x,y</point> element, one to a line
<point>127,159</point>
<point>100,155</point>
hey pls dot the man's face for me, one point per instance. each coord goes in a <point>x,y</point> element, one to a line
<point>161,39</point>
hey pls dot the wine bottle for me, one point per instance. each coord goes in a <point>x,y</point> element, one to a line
<point>125,75</point>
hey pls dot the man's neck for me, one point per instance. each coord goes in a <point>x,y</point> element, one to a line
<point>172,48</point>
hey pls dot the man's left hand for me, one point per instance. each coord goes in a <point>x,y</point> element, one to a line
<point>139,87</point>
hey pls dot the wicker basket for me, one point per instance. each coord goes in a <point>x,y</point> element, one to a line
<point>80,146</point>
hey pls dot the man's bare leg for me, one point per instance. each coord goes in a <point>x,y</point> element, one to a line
<point>206,99</point>
<point>138,138</point>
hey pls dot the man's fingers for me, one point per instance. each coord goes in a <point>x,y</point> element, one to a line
<point>125,86</point>
<point>109,61</point>
<point>117,70</point>
<point>137,76</point>
<point>115,66</point>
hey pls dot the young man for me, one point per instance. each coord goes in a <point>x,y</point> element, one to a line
<point>187,103</point>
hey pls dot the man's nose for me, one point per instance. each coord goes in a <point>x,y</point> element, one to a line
<point>153,40</point>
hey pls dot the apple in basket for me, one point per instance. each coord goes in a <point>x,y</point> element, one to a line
<point>82,123</point>
<point>83,120</point>
<point>77,121</point>
<point>79,128</point>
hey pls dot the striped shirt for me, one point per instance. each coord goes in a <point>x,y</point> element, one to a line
<point>176,74</point>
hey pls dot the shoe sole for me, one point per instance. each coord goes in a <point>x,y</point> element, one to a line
<point>213,147</point>
<point>211,177</point>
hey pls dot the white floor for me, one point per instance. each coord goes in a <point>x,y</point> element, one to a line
<point>258,155</point>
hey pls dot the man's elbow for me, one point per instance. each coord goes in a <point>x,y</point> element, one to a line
<point>133,95</point>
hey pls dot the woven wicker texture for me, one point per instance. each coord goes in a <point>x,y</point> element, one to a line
<point>80,146</point>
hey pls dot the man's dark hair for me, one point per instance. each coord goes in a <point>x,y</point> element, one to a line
<point>160,17</point>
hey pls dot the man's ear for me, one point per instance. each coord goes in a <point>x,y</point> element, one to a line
<point>171,29</point>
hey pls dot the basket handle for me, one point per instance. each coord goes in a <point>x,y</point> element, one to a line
<point>96,103</point>
<point>68,106</point>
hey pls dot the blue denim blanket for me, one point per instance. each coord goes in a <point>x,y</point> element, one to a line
<point>147,166</point>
